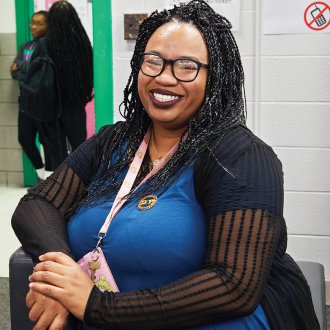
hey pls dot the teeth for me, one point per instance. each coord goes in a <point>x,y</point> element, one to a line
<point>164,98</point>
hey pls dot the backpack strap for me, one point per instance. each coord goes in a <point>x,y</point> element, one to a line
<point>43,45</point>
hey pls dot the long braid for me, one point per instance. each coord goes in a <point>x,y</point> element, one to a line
<point>223,108</point>
<point>71,51</point>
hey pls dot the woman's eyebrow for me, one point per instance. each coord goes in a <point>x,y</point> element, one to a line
<point>183,57</point>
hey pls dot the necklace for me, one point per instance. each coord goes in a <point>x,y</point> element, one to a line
<point>155,162</point>
<point>158,159</point>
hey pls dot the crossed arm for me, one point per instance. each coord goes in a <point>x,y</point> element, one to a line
<point>230,285</point>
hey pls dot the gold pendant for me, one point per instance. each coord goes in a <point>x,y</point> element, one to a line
<point>156,162</point>
<point>147,202</point>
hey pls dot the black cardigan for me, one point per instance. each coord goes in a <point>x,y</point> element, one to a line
<point>239,183</point>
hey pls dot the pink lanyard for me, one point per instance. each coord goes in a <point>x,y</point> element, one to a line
<point>130,177</point>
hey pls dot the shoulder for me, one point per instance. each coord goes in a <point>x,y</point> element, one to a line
<point>227,149</point>
<point>235,142</point>
<point>39,47</point>
<point>97,142</point>
<point>27,44</point>
<point>108,131</point>
<point>237,154</point>
<point>239,166</point>
<point>24,45</point>
<point>88,156</point>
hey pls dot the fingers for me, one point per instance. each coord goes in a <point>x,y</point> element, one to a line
<point>48,277</point>
<point>58,257</point>
<point>58,277</point>
<point>48,290</point>
<point>52,321</point>
<point>30,299</point>
<point>36,311</point>
<point>13,67</point>
<point>44,321</point>
<point>47,312</point>
<point>59,322</point>
<point>50,266</point>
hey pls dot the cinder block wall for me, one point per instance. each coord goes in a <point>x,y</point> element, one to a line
<point>290,77</point>
<point>10,152</point>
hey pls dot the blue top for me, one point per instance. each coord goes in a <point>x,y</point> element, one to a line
<point>147,249</point>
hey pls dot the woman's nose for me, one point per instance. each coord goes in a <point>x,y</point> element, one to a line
<point>167,77</point>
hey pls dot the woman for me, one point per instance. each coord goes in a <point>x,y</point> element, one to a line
<point>71,51</point>
<point>200,244</point>
<point>29,127</point>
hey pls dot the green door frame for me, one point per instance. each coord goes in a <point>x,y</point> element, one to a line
<point>102,54</point>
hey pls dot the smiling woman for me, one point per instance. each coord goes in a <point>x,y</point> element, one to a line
<point>184,201</point>
<point>170,102</point>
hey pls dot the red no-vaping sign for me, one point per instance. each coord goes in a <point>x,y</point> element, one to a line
<point>317,16</point>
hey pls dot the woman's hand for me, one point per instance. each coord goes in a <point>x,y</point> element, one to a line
<point>59,277</point>
<point>13,67</point>
<point>46,312</point>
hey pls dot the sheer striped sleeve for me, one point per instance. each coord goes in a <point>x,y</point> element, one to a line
<point>38,220</point>
<point>242,195</point>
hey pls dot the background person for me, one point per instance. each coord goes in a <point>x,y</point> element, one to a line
<point>71,51</point>
<point>208,251</point>
<point>28,127</point>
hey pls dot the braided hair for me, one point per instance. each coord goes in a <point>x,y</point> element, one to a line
<point>69,47</point>
<point>224,105</point>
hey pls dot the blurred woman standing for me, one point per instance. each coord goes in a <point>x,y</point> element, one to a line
<point>71,51</point>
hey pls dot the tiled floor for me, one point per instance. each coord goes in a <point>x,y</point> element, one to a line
<point>9,198</point>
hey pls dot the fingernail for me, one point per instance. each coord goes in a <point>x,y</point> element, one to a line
<point>41,257</point>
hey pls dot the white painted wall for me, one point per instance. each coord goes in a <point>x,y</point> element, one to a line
<point>7,16</point>
<point>291,79</point>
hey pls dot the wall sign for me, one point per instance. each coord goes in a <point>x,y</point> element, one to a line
<point>317,16</point>
<point>296,16</point>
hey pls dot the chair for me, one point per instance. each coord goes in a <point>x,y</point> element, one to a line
<point>314,274</point>
<point>20,267</point>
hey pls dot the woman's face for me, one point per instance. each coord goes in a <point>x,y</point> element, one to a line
<point>38,25</point>
<point>171,103</point>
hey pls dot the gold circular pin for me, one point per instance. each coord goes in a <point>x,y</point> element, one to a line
<point>147,202</point>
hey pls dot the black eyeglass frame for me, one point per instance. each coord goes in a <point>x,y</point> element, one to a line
<point>171,63</point>
<point>39,24</point>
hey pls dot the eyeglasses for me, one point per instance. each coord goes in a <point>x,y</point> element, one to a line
<point>38,24</point>
<point>183,69</point>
